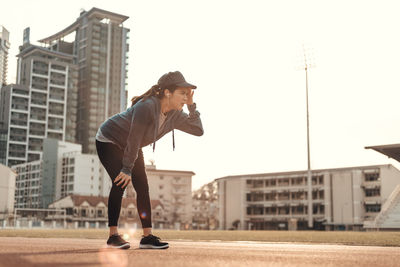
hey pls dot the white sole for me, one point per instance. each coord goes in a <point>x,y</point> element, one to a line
<point>122,246</point>
<point>153,247</point>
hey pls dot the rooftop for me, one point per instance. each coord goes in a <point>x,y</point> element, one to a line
<point>94,12</point>
<point>304,172</point>
<point>32,48</point>
<point>392,151</point>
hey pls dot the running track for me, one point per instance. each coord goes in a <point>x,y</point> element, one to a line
<point>18,251</point>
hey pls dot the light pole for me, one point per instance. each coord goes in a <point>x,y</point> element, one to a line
<point>307,65</point>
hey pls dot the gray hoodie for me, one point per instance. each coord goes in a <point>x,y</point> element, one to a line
<point>138,127</point>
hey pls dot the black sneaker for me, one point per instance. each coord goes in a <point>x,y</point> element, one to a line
<point>152,241</point>
<point>116,241</point>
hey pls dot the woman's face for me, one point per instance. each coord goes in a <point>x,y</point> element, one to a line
<point>179,98</point>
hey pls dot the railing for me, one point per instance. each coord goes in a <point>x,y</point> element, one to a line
<point>371,184</point>
<point>386,206</point>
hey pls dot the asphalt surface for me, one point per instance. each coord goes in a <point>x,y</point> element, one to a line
<point>18,251</point>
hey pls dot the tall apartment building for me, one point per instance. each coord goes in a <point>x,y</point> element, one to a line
<point>343,198</point>
<point>100,47</point>
<point>52,78</point>
<point>63,171</point>
<point>4,46</point>
<point>42,105</point>
<point>174,189</point>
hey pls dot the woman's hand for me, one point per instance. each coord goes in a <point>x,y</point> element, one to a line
<point>123,179</point>
<point>190,98</point>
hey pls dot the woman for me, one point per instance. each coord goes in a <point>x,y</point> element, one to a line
<point>120,139</point>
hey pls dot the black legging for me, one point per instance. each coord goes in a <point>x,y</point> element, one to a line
<point>111,157</point>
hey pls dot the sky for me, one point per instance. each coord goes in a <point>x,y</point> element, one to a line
<point>245,58</point>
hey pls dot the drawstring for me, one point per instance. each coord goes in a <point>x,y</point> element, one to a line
<point>173,140</point>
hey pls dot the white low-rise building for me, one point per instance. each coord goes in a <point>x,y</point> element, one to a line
<point>342,198</point>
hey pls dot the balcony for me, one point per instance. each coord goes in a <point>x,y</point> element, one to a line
<point>40,71</point>
<point>372,199</point>
<point>20,122</point>
<point>58,97</point>
<point>18,137</point>
<point>41,101</point>
<point>20,92</point>
<point>39,85</point>
<point>19,106</point>
<point>371,184</point>
<point>57,67</point>
<point>17,154</point>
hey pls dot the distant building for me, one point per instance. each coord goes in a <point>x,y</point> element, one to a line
<point>7,191</point>
<point>28,185</point>
<point>101,49</point>
<point>91,212</point>
<point>64,170</point>
<point>173,188</point>
<point>83,174</point>
<point>4,47</point>
<point>65,90</point>
<point>342,199</point>
<point>43,103</point>
<point>205,207</point>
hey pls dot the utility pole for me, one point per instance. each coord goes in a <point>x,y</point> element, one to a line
<point>307,65</point>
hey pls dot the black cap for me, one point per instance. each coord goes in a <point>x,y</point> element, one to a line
<point>174,79</point>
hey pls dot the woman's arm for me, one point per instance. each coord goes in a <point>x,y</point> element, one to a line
<point>190,123</point>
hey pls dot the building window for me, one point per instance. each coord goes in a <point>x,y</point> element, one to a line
<point>373,192</point>
<point>373,207</point>
<point>369,177</point>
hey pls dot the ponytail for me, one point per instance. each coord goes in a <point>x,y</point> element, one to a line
<point>155,90</point>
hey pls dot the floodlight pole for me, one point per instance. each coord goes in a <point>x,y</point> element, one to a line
<point>309,176</point>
